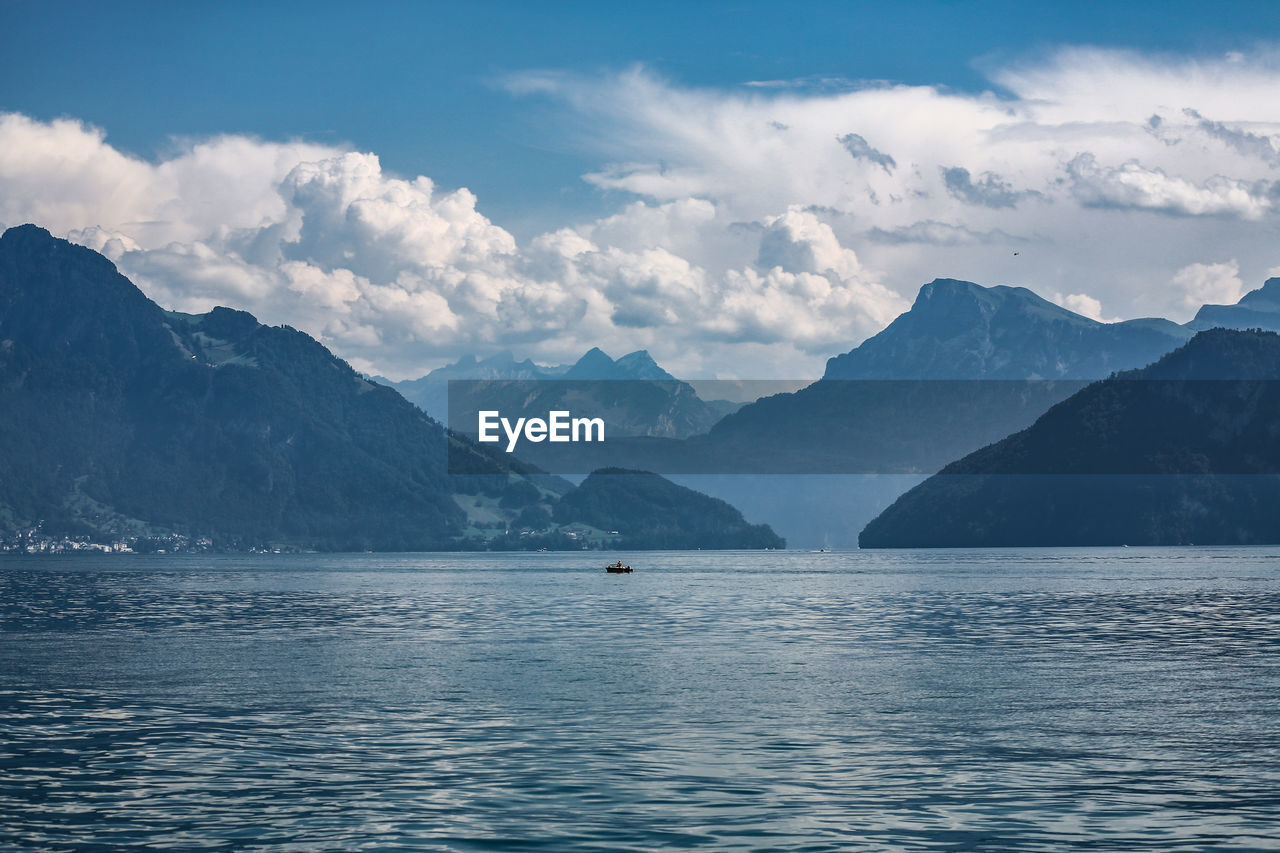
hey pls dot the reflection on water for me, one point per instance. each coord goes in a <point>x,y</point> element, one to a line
<point>1119,700</point>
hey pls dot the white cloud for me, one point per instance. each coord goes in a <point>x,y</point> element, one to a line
<point>63,175</point>
<point>354,216</point>
<point>1104,169</point>
<point>937,233</point>
<point>398,276</point>
<point>1083,304</point>
<point>1200,284</point>
<point>762,229</point>
<point>1130,185</point>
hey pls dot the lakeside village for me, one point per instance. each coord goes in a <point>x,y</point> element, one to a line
<point>33,540</point>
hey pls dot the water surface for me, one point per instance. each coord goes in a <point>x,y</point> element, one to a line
<point>1123,699</point>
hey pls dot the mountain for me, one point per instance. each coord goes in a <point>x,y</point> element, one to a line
<point>502,365</point>
<point>1182,451</point>
<point>634,394</point>
<point>961,330</point>
<point>649,511</point>
<point>431,392</point>
<point>966,366</point>
<point>597,365</point>
<point>119,420</point>
<point>1258,309</point>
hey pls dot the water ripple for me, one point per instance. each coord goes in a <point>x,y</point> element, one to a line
<point>1011,701</point>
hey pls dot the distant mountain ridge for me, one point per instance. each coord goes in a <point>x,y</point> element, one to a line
<point>596,364</point>
<point>502,365</point>
<point>961,330</point>
<point>635,395</point>
<point>965,366</point>
<point>1257,309</point>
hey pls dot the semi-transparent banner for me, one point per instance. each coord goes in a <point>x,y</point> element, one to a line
<point>870,426</point>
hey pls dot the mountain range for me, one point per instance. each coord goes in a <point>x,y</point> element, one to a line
<point>119,417</point>
<point>121,420</point>
<point>633,393</point>
<point>964,367</point>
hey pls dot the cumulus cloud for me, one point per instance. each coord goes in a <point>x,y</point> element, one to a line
<point>1131,181</point>
<point>64,175</point>
<point>398,275</point>
<point>1083,304</point>
<point>801,256</point>
<point>757,230</point>
<point>1131,185</point>
<point>1199,284</point>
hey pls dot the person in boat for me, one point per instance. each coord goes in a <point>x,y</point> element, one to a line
<point>617,565</point>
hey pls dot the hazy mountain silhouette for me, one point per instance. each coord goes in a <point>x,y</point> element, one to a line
<point>634,394</point>
<point>1257,309</point>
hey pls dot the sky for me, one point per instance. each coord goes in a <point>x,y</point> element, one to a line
<point>744,189</point>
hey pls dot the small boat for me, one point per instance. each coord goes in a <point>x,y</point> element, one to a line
<point>618,569</point>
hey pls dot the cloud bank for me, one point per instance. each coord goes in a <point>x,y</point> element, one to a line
<point>758,230</point>
<point>397,275</point>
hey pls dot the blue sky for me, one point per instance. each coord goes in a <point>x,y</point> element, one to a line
<point>743,188</point>
<point>416,82</point>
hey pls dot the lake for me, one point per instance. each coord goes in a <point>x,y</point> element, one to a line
<point>1109,699</point>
